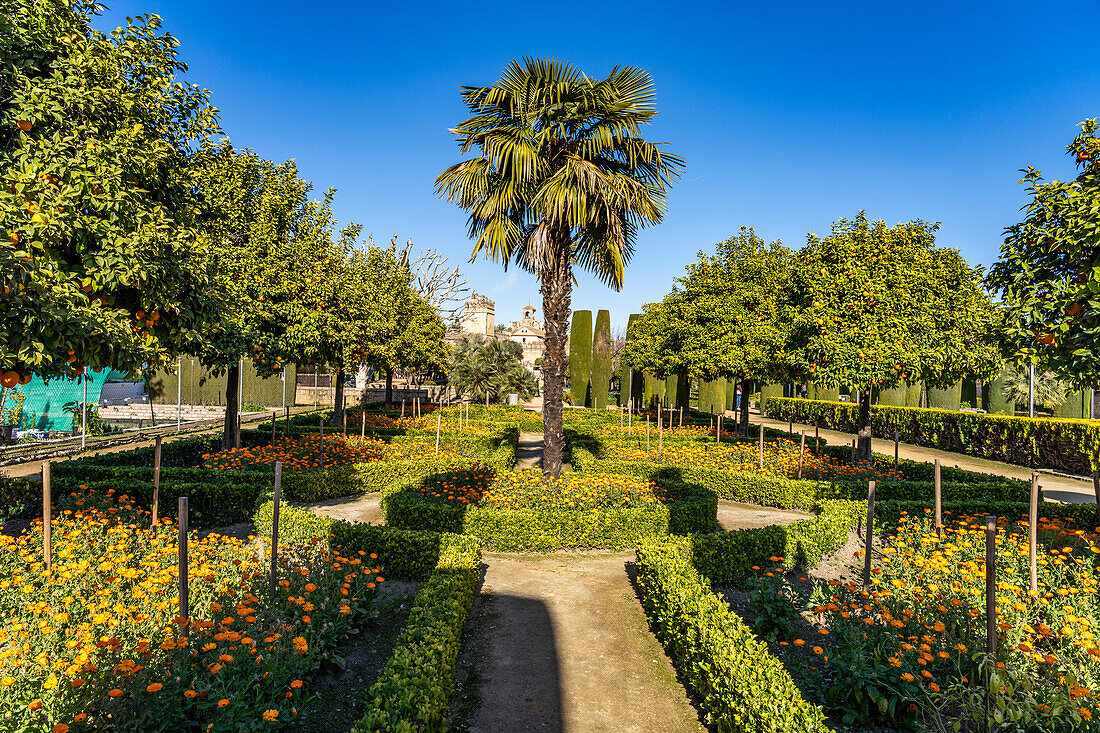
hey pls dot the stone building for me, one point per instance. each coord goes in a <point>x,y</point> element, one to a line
<point>478,317</point>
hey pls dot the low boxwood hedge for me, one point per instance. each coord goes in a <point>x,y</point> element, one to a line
<point>1068,445</point>
<point>740,685</point>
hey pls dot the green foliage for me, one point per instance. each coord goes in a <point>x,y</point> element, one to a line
<point>411,691</point>
<point>562,178</point>
<point>601,360</point>
<point>481,367</point>
<point>11,405</point>
<point>93,423</point>
<point>1049,390</point>
<point>723,318</point>
<point>1068,445</point>
<point>1047,275</point>
<point>740,685</point>
<point>580,357</point>
<point>102,266</point>
<point>873,306</point>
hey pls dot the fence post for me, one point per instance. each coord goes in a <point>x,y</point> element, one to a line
<point>801,451</point>
<point>182,553</point>
<point>1033,532</point>
<point>275,525</point>
<point>47,520</point>
<point>938,498</point>
<point>991,585</point>
<point>156,480</point>
<point>870,535</point>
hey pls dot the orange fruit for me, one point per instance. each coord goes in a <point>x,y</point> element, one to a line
<point>13,237</point>
<point>24,125</point>
<point>9,379</point>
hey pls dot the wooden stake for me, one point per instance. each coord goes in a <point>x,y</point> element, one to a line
<point>1033,532</point>
<point>817,439</point>
<point>895,451</point>
<point>156,480</point>
<point>938,500</point>
<point>854,451</point>
<point>321,440</point>
<point>991,585</point>
<point>761,464</point>
<point>681,416</point>
<point>185,611</point>
<point>47,519</point>
<point>801,452</point>
<point>718,435</point>
<point>647,433</point>
<point>660,434</point>
<point>362,422</point>
<point>870,535</point>
<point>345,425</point>
<point>402,408</point>
<point>438,417</point>
<point>275,527</point>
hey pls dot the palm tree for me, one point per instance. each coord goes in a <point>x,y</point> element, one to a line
<point>1050,391</point>
<point>489,369</point>
<point>562,178</point>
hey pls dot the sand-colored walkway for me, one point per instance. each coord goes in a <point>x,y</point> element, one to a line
<point>1055,486</point>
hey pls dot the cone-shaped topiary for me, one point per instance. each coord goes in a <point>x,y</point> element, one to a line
<point>601,360</point>
<point>580,356</point>
<point>626,380</point>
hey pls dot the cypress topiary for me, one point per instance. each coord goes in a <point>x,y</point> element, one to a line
<point>601,360</point>
<point>580,356</point>
<point>625,383</point>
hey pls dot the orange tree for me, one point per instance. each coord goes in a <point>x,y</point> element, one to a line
<point>723,318</point>
<point>263,236</point>
<point>1048,274</point>
<point>874,306</point>
<point>100,261</point>
<point>562,178</point>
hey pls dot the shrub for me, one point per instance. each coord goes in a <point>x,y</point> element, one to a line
<point>580,356</point>
<point>740,685</point>
<point>1068,445</point>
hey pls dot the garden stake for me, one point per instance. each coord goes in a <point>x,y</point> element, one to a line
<point>761,464</point>
<point>854,450</point>
<point>660,434</point>
<point>321,440</point>
<point>938,499</point>
<point>870,535</point>
<point>402,408</point>
<point>991,585</point>
<point>1033,531</point>
<point>681,416</point>
<point>647,433</point>
<point>275,526</point>
<point>718,435</point>
<point>182,552</point>
<point>345,425</point>
<point>47,524</point>
<point>817,439</point>
<point>801,451</point>
<point>437,419</point>
<point>895,451</point>
<point>156,480</point>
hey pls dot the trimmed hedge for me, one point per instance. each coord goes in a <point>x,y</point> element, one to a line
<point>580,356</point>
<point>692,510</point>
<point>741,686</point>
<point>601,360</point>
<point>1068,445</point>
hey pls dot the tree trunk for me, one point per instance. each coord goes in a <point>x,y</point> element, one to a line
<point>230,433</point>
<point>338,409</point>
<point>389,387</point>
<point>746,387</point>
<point>557,286</point>
<point>864,453</point>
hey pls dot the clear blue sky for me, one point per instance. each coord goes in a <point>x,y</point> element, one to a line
<point>790,115</point>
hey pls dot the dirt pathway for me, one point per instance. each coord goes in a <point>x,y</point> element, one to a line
<point>529,453</point>
<point>1056,486</point>
<point>365,509</point>
<point>732,515</point>
<point>560,643</point>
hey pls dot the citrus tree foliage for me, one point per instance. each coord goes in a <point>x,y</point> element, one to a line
<point>562,178</point>
<point>99,256</point>
<point>724,318</point>
<point>876,306</point>
<point>482,368</point>
<point>1048,274</point>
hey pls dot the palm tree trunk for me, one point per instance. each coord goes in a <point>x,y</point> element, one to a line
<point>230,433</point>
<point>557,287</point>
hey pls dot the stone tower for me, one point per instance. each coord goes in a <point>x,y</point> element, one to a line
<point>478,315</point>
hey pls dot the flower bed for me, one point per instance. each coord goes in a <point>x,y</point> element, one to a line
<point>917,640</point>
<point>518,511</point>
<point>95,643</point>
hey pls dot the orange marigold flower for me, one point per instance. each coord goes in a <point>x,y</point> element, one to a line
<point>222,703</point>
<point>155,687</point>
<point>115,693</point>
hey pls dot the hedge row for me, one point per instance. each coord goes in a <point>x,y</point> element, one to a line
<point>692,510</point>
<point>411,691</point>
<point>785,493</point>
<point>1068,445</point>
<point>740,685</point>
